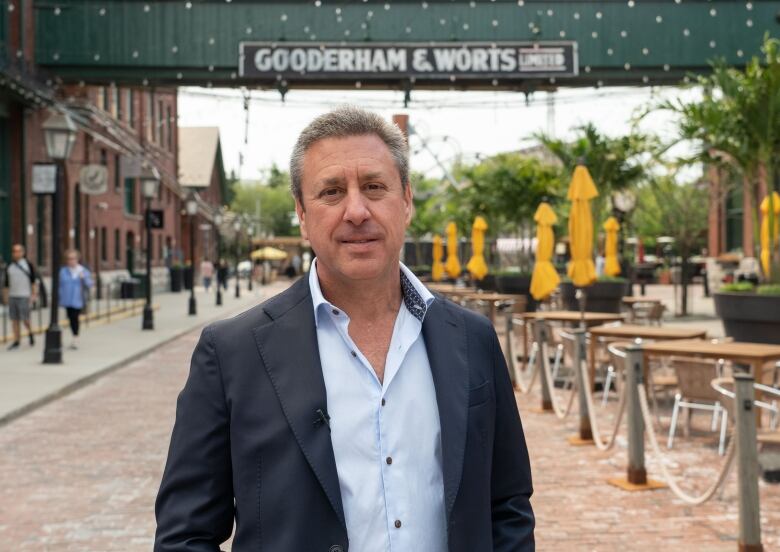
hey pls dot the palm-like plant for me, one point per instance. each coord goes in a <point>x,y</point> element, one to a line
<point>737,124</point>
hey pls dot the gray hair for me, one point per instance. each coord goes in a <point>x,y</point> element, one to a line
<point>343,122</point>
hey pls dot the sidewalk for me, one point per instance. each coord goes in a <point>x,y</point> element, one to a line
<point>26,383</point>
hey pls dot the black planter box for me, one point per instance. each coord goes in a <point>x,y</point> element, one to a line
<point>488,283</point>
<point>177,276</point>
<point>517,285</point>
<point>749,316</point>
<point>599,297</point>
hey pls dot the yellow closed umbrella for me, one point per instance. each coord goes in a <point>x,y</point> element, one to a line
<point>545,278</point>
<point>437,270</point>
<point>453,264</point>
<point>611,263</point>
<point>581,190</point>
<point>766,253</point>
<point>477,265</point>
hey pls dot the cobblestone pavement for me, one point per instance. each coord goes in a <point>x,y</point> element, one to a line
<point>81,474</point>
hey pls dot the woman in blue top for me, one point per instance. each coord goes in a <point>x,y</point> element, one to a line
<point>75,281</point>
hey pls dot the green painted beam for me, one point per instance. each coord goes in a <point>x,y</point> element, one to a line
<point>619,42</point>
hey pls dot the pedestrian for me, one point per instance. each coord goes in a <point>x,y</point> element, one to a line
<point>222,273</point>
<point>75,283</point>
<point>355,410</point>
<point>206,272</point>
<point>20,291</point>
<point>296,264</point>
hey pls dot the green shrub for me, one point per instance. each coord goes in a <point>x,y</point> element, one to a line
<point>768,289</point>
<point>738,287</point>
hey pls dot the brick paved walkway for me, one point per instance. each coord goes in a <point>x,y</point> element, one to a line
<point>81,474</point>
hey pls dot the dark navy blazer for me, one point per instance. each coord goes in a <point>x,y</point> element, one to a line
<point>248,444</point>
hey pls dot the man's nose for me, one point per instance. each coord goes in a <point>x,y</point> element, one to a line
<point>356,211</point>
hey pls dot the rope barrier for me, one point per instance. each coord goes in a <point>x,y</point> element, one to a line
<point>594,426</point>
<point>522,387</point>
<point>670,480</point>
<point>560,413</point>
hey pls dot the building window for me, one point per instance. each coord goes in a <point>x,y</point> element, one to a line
<point>130,108</point>
<point>104,244</point>
<point>106,99</point>
<point>117,173</point>
<point>148,115</point>
<point>160,123</point>
<point>169,120</point>
<point>130,195</point>
<point>116,103</point>
<point>117,246</point>
<point>104,157</point>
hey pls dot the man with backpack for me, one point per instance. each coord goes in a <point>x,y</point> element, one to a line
<point>19,292</point>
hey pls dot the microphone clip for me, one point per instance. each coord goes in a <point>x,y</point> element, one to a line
<point>322,418</point>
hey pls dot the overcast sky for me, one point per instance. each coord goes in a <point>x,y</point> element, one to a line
<point>451,123</point>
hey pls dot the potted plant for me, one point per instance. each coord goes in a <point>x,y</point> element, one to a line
<point>750,313</point>
<point>605,295</point>
<point>177,277</point>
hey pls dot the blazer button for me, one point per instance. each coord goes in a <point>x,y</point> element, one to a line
<point>336,548</point>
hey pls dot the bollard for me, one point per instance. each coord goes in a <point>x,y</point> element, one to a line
<point>508,352</point>
<point>747,465</point>
<point>586,434</point>
<point>540,336</point>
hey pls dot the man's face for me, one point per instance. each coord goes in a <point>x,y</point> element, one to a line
<point>355,210</point>
<point>17,252</point>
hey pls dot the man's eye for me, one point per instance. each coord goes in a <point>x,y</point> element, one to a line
<point>330,192</point>
<point>373,186</point>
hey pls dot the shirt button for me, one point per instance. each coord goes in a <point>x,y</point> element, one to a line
<point>336,312</point>
<point>398,524</point>
<point>383,402</point>
<point>354,354</point>
<point>389,460</point>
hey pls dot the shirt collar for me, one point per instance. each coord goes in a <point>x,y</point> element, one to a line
<point>417,298</point>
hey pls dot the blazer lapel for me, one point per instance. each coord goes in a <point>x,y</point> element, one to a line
<point>288,347</point>
<point>445,341</point>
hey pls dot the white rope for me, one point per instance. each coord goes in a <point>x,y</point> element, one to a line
<point>560,413</point>
<point>594,426</point>
<point>522,387</point>
<point>659,457</point>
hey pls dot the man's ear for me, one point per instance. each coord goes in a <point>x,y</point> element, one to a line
<point>409,204</point>
<point>301,218</point>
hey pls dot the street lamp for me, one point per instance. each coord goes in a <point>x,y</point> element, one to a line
<point>59,133</point>
<point>150,184</point>
<point>192,210</point>
<point>250,231</point>
<point>623,202</point>
<point>237,228</point>
<point>217,225</point>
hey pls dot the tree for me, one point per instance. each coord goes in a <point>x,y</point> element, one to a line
<point>737,123</point>
<point>430,213</point>
<point>665,207</point>
<point>272,198</point>
<point>616,164</point>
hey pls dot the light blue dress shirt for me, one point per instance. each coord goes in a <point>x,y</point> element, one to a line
<point>386,435</point>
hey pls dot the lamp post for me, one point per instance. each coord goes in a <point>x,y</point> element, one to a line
<point>250,232</point>
<point>192,210</point>
<point>237,228</point>
<point>150,184</point>
<point>623,202</point>
<point>60,134</point>
<point>217,225</point>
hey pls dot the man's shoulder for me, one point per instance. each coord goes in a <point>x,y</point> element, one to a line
<point>263,313</point>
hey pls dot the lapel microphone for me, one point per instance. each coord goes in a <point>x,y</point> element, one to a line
<point>322,418</point>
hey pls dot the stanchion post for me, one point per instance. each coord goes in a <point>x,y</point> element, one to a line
<point>540,336</point>
<point>747,466</point>
<point>586,433</point>
<point>637,474</point>
<point>508,352</point>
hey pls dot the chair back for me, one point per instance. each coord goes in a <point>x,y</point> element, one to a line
<point>694,377</point>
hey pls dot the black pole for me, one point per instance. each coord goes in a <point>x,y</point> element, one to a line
<point>251,265</point>
<point>52,351</point>
<point>148,319</point>
<point>193,306</point>
<point>238,289</point>
<point>219,265</point>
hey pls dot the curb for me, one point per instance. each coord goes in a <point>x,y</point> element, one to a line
<point>88,379</point>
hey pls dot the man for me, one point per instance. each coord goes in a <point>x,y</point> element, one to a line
<point>19,293</point>
<point>354,411</point>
